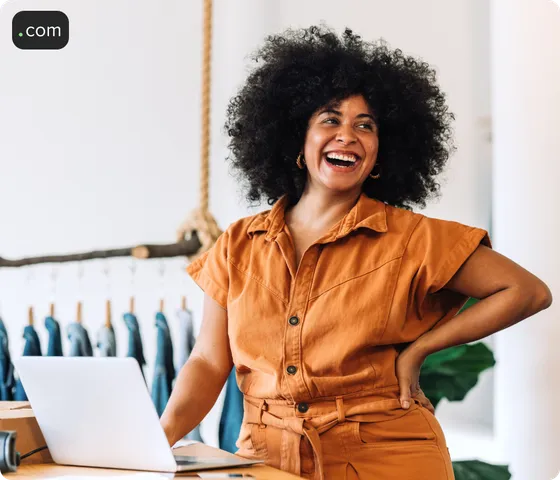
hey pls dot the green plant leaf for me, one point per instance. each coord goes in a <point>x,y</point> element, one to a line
<point>452,372</point>
<point>476,470</point>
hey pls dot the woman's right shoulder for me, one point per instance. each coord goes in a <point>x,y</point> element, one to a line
<point>242,230</point>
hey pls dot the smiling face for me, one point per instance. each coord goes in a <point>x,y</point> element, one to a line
<point>341,145</point>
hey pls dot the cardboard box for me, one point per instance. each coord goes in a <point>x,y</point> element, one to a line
<point>19,417</point>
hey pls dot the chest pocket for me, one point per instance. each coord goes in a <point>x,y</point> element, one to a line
<point>365,298</point>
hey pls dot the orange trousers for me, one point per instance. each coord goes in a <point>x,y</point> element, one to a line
<point>350,437</point>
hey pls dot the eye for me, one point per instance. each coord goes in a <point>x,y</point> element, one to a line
<point>331,120</point>
<point>368,126</point>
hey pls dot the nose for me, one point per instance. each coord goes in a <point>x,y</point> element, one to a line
<point>345,135</point>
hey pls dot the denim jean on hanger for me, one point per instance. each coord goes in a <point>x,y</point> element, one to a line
<point>80,344</point>
<point>54,347</point>
<point>185,348</point>
<point>6,367</point>
<point>135,348</point>
<point>164,369</point>
<point>232,415</point>
<point>185,336</point>
<point>106,342</point>
<point>32,348</point>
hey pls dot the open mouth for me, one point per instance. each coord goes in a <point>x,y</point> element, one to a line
<point>342,160</point>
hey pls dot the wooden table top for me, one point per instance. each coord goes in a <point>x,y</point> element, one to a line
<point>52,470</point>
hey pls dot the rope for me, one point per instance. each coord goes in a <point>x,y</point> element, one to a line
<point>205,141</point>
<point>201,220</point>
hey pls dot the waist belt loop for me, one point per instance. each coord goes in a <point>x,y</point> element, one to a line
<point>340,409</point>
<point>263,407</point>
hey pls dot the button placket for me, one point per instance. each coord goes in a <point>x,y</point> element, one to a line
<point>300,293</point>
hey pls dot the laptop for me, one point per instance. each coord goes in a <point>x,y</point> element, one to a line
<point>97,412</point>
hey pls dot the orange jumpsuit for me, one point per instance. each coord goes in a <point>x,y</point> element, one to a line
<point>314,345</point>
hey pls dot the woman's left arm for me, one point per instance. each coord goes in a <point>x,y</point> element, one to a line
<point>508,294</point>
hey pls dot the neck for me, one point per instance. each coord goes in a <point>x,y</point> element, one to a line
<point>319,210</point>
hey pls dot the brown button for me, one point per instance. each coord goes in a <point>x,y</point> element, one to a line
<point>302,407</point>
<point>291,370</point>
<point>293,321</point>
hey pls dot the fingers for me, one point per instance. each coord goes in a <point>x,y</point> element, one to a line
<point>404,386</point>
<point>424,401</point>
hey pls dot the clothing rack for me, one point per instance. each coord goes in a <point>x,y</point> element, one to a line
<point>180,249</point>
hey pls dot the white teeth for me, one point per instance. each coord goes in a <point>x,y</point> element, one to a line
<point>341,156</point>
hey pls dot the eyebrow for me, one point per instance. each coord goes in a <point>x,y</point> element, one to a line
<point>336,112</point>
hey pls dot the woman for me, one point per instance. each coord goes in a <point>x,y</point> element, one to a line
<point>328,303</point>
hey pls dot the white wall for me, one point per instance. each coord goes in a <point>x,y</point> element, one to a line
<point>526,97</point>
<point>99,142</point>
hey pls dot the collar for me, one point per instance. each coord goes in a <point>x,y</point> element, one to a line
<point>366,213</point>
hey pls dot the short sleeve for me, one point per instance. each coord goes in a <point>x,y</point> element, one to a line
<point>210,270</point>
<point>439,248</point>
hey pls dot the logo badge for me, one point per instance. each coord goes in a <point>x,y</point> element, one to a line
<point>40,30</point>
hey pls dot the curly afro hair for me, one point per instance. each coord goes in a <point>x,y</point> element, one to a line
<point>302,70</point>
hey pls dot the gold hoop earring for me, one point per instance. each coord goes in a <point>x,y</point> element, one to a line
<point>298,161</point>
<point>375,177</point>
